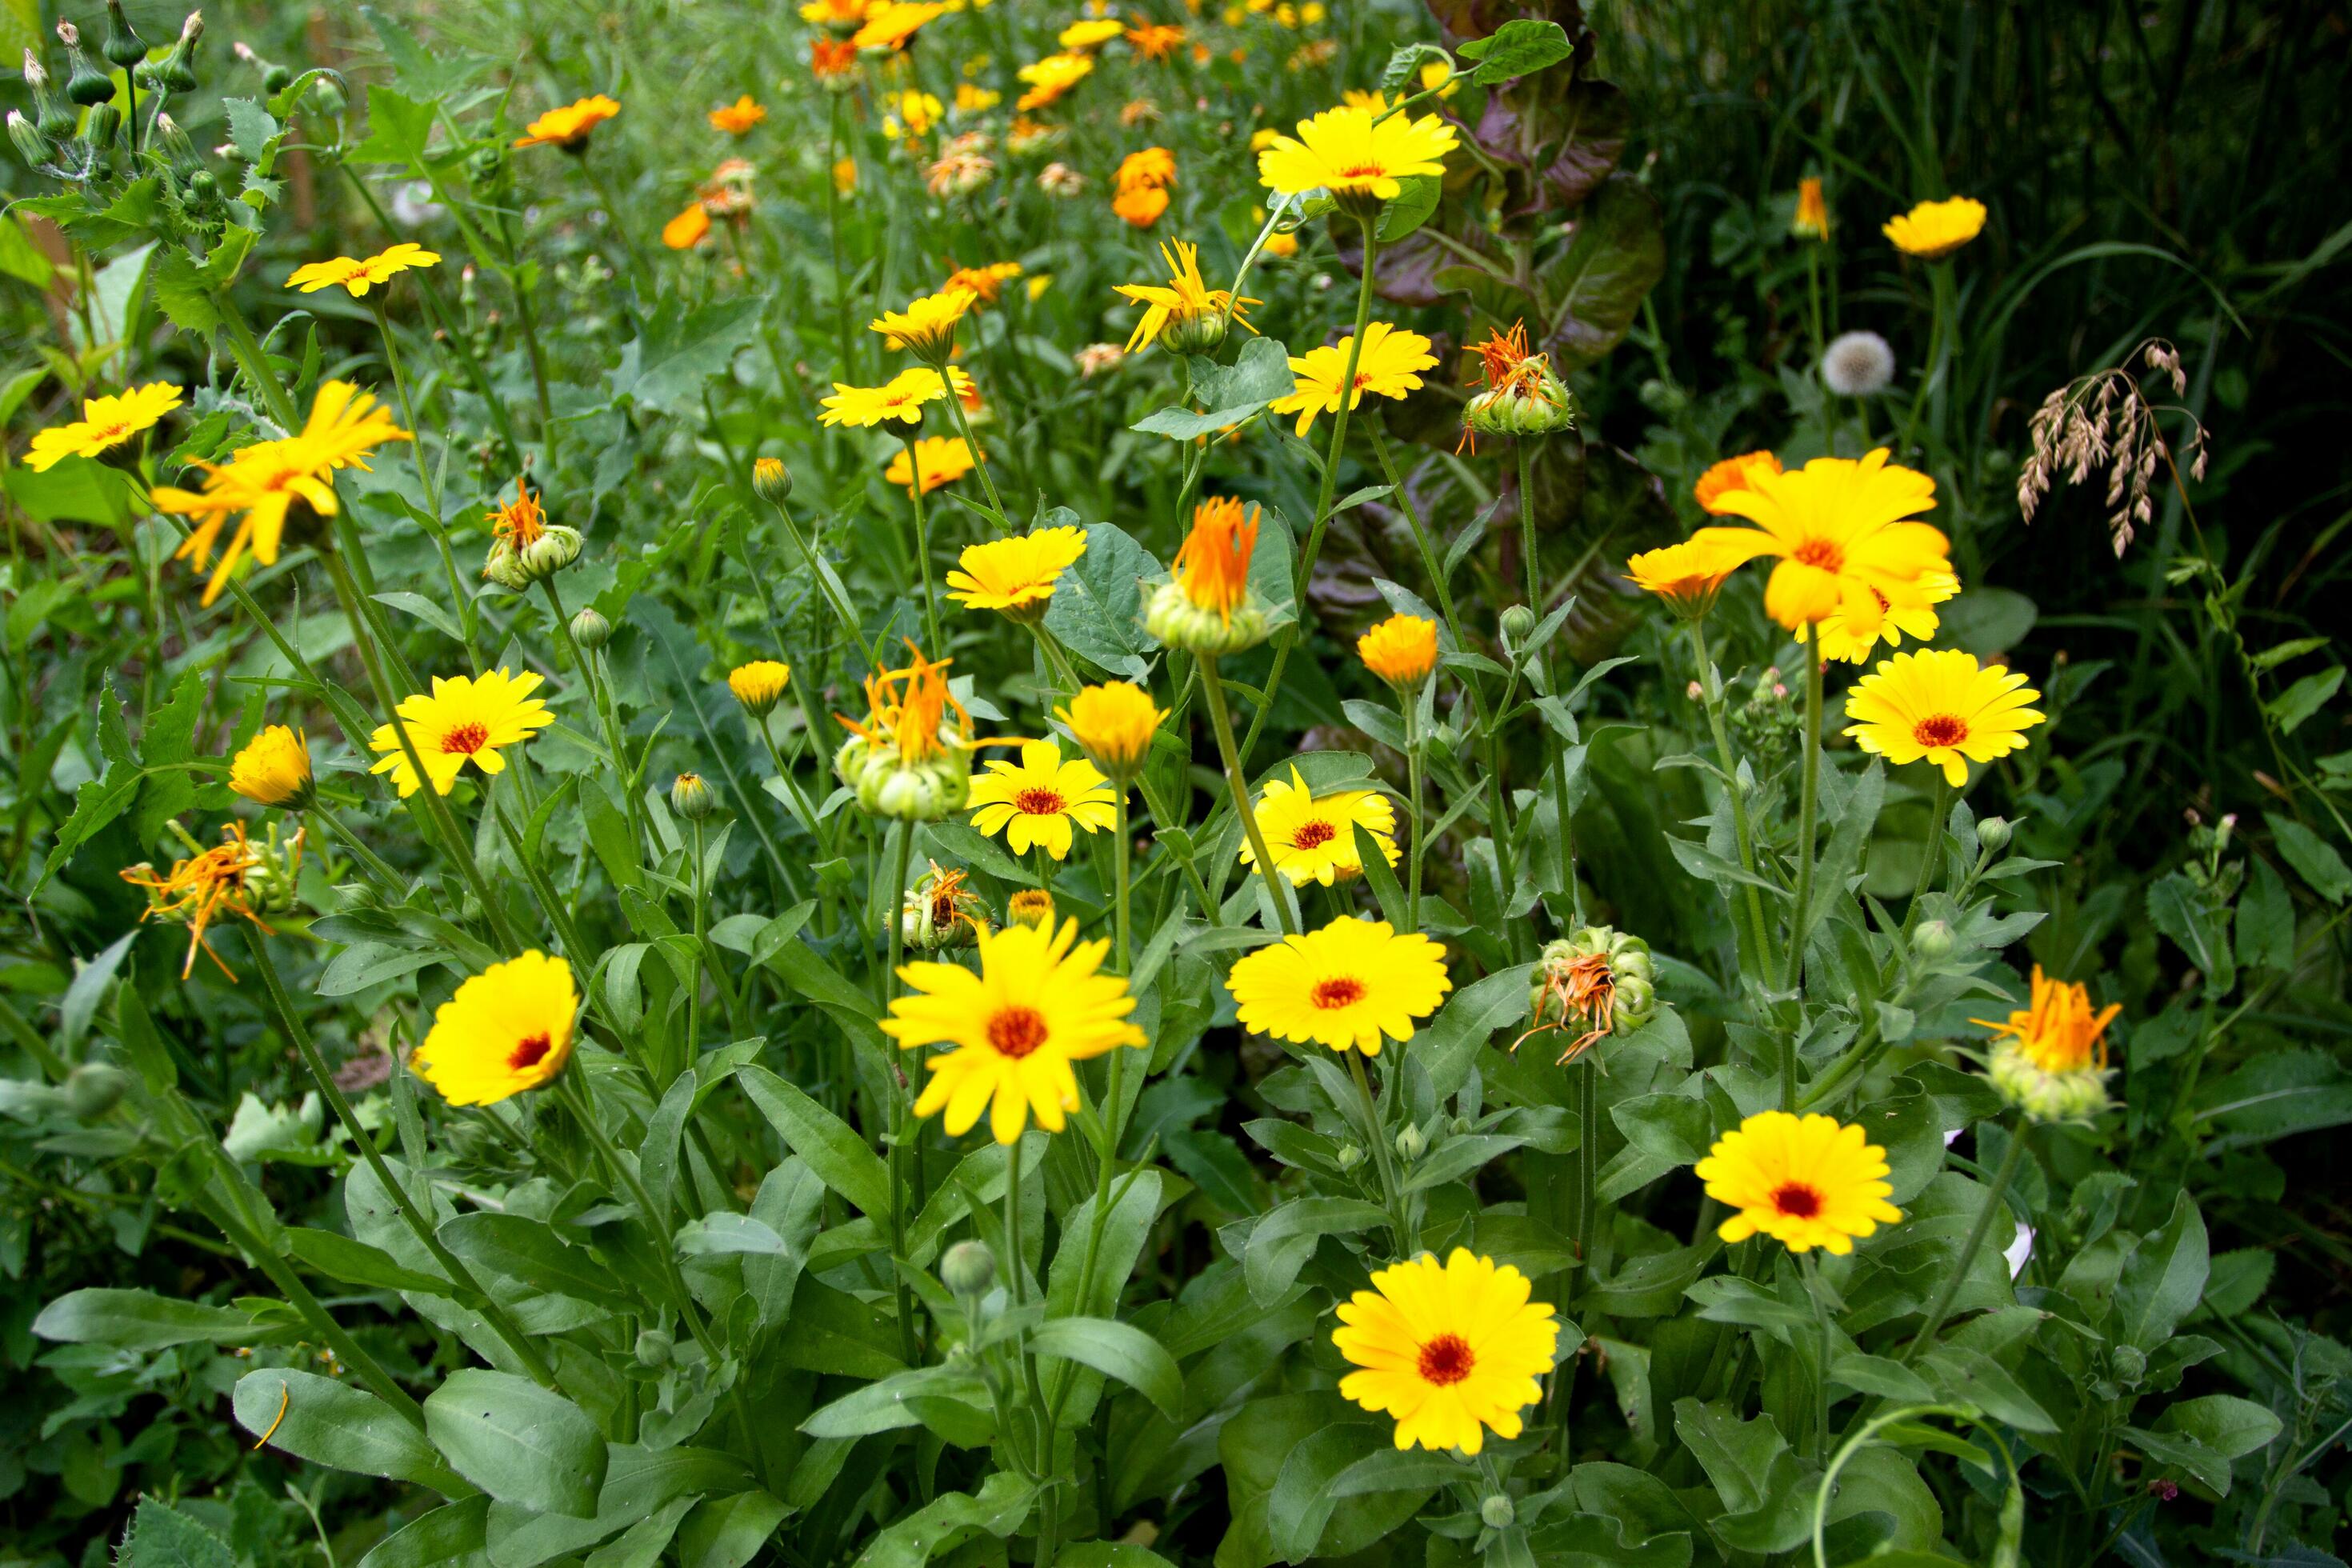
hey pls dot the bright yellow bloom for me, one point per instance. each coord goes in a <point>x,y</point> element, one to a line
<point>569,126</point>
<point>1940,705</point>
<point>508,1029</point>
<point>1812,218</point>
<point>1400,650</point>
<point>1151,167</point>
<point>1729,475</point>
<point>1805,1182</point>
<point>1907,611</point>
<point>260,484</point>
<point>1450,1350</point>
<point>1933,230</point>
<point>1052,77</point>
<point>972,98</point>
<point>1187,300</point>
<point>901,397</point>
<point>358,277</point>
<point>1344,151</point>
<point>926,327</point>
<point>845,176</point>
<point>1313,839</point>
<point>1389,365</point>
<point>985,284</point>
<point>1015,576</point>
<point>106,423</point>
<point>1034,802</point>
<point>1348,987</point>
<point>941,460</point>
<point>844,14</point>
<point>1837,525</point>
<point>1141,206</point>
<point>1358,98</point>
<point>1437,76</point>
<point>760,685</point>
<point>1090,34</point>
<point>1213,565</point>
<point>2060,1031</point>
<point>738,116</point>
<point>1684,575</point>
<point>465,717</point>
<point>273,768</point>
<point>921,109</point>
<point>1032,907</point>
<point>891,24</point>
<point>1036,1006</point>
<point>1113,725</point>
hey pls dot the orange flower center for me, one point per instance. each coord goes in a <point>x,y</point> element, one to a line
<point>465,739</point>
<point>1016,1031</point>
<point>529,1053</point>
<point>1798,1201</point>
<point>1819,552</point>
<point>1310,834</point>
<point>1039,803</point>
<point>1341,991</point>
<point>1940,729</point>
<point>1447,1360</point>
<point>1362,172</point>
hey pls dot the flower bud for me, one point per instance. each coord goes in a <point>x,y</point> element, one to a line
<point>1411,1144</point>
<point>1193,332</point>
<point>1933,940</point>
<point>1031,907</point>
<point>2129,1364</point>
<point>93,1088</point>
<point>654,1347</point>
<point>1350,1156</point>
<point>85,83</point>
<point>104,121</point>
<point>1497,1513</point>
<point>1596,983</point>
<point>516,566</point>
<point>1993,833</point>
<point>968,1269</point>
<point>1176,620</point>
<point>771,480</point>
<point>940,912</point>
<point>591,631</point>
<point>177,72</point>
<point>276,78</point>
<point>1517,622</point>
<point>1538,404</point>
<point>122,44</point>
<point>31,145</point>
<point>760,685</point>
<point>691,798</point>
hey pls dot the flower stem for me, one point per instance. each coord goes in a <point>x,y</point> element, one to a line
<point>923,543</point>
<point>902,1119</point>
<point>1408,702</point>
<point>632,797</point>
<point>964,427</point>
<point>1933,853</point>
<point>1995,1201</point>
<point>1222,723</point>
<point>1122,852</point>
<point>1808,812</point>
<point>1710,688</point>
<point>368,859</point>
<point>1533,570</point>
<point>1384,1155</point>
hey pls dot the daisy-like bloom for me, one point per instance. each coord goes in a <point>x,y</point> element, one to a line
<point>1360,160</point>
<point>106,423</point>
<point>1152,166</point>
<point>927,326</point>
<point>832,63</point>
<point>1358,98</point>
<point>1140,207</point>
<point>985,284</point>
<point>1155,41</point>
<point>466,718</point>
<point>1450,1350</point>
<point>1907,612</point>
<point>358,277</point>
<point>224,879</point>
<point>921,111</point>
<point>1838,527</point>
<point>1034,802</point>
<point>1940,706</point>
<point>893,24</point>
<point>1050,78</point>
<point>1036,1006</point>
<point>273,768</point>
<point>1389,365</point>
<point>1933,230</point>
<point>901,397</point>
<point>1188,315</point>
<point>1350,986</point>
<point>1313,839</point>
<point>1684,575</point>
<point>569,126</point>
<point>1032,907</point>
<point>841,16</point>
<point>1113,725</point>
<point>1400,650</point>
<point>1090,33</point>
<point>689,228</point>
<point>941,460</point>
<point>1805,1182</point>
<point>738,116</point>
<point>845,176</point>
<point>2051,1059</point>
<point>1812,217</point>
<point>958,173</point>
<point>508,1029</point>
<point>1731,474</point>
<point>760,685</point>
<point>1015,576</point>
<point>260,484</point>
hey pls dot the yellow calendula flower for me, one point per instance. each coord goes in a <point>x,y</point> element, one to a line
<point>1032,907</point>
<point>1812,217</point>
<point>466,718</point>
<point>508,1029</point>
<point>1350,986</point>
<point>273,768</point>
<point>1090,33</point>
<point>1038,1006</point>
<point>1015,576</point>
<point>2050,1061</point>
<point>901,397</point>
<point>921,109</point>
<point>1941,706</point>
<point>1906,610</point>
<point>738,116</point>
<point>985,284</point>
<point>972,98</point>
<point>1731,474</point>
<point>1453,1351</point>
<point>890,25</point>
<point>1805,1182</point>
<point>1187,316</point>
<point>1362,160</point>
<point>260,484</point>
<point>1684,575</point>
<point>842,16</point>
<point>1934,230</point>
<point>1113,725</point>
<point>1052,77</point>
<point>1400,650</point>
<point>1312,837</point>
<point>569,126</point>
<point>105,424</point>
<point>1035,802</point>
<point>941,460</point>
<point>358,277</point>
<point>1389,365</point>
<point>760,685</point>
<point>1839,528</point>
<point>926,327</point>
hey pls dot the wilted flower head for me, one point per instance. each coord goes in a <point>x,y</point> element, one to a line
<point>1206,605</point>
<point>1857,364</point>
<point>1598,982</point>
<point>2050,1061</point>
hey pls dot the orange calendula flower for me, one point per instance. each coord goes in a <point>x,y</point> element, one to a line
<point>1140,207</point>
<point>358,277</point>
<point>1206,605</point>
<point>738,116</point>
<point>1934,230</point>
<point>1156,41</point>
<point>1805,1182</point>
<point>1400,650</point>
<point>274,768</point>
<point>1151,167</point>
<point>1729,475</point>
<point>908,710</point>
<point>941,460</point>
<point>985,284</point>
<point>1684,575</point>
<point>1187,316</point>
<point>508,1029</point>
<point>1359,158</point>
<point>1941,707</point>
<point>520,522</point>
<point>2050,1061</point>
<point>569,126</point>
<point>1812,218</point>
<point>927,326</point>
<point>1521,397</point>
<point>832,62</point>
<point>687,229</point>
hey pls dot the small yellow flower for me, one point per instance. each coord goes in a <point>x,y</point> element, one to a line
<point>1358,158</point>
<point>1052,77</point>
<point>1934,230</point>
<point>1032,907</point>
<point>1312,837</point>
<point>106,423</point>
<point>508,1029</point>
<point>738,116</point>
<point>759,686</point>
<point>358,277</point>
<point>845,176</point>
<point>1037,1006</point>
<point>971,98</point>
<point>1812,218</point>
<point>942,459</point>
<point>847,16</point>
<point>901,397</point>
<point>273,768</point>
<point>1187,311</point>
<point>1806,1183</point>
<point>465,717</point>
<point>1388,365</point>
<point>921,109</point>
<point>1349,986</point>
<point>569,126</point>
<point>891,24</point>
<point>1839,527</point>
<point>1035,802</point>
<point>1089,35</point>
<point>1015,576</point>
<point>1453,1349</point>
<point>1940,706</point>
<point>1684,575</point>
<point>1731,474</point>
<point>926,327</point>
<point>1400,650</point>
<point>1113,725</point>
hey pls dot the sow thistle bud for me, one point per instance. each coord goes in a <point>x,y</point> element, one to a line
<point>1599,981</point>
<point>527,548</point>
<point>1206,605</point>
<point>31,145</point>
<point>122,44</point>
<point>940,912</point>
<point>85,83</point>
<point>2050,1061</point>
<point>177,70</point>
<point>910,760</point>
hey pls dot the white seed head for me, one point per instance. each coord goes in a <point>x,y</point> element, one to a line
<point>1857,364</point>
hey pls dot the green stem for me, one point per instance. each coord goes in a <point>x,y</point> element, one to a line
<point>1587,1153</point>
<point>902,1117</point>
<point>963,426</point>
<point>1384,1155</point>
<point>1808,811</point>
<point>1524,451</point>
<point>392,881</point>
<point>923,543</point>
<point>1994,1203</point>
<point>424,480</point>
<point>1222,723</point>
<point>697,889</point>
<point>632,797</point>
<point>1122,852</point>
<point>1710,686</point>
<point>1408,702</point>
<point>1934,852</point>
<point>1811,1271</point>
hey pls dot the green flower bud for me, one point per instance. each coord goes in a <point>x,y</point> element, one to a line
<point>31,145</point>
<point>1540,406</point>
<point>557,546</point>
<point>968,1269</point>
<point>1411,1144</point>
<point>1993,833</point>
<point>1193,332</point>
<point>2129,1364</point>
<point>1596,982</point>
<point>691,798</point>
<point>1517,622</point>
<point>771,480</point>
<point>122,44</point>
<point>940,912</point>
<point>887,785</point>
<point>654,1347</point>
<point>85,83</point>
<point>1933,940</point>
<point>178,73</point>
<point>104,121</point>
<point>277,80</point>
<point>1350,1156</point>
<point>591,631</point>
<point>93,1088</point>
<point>1497,1513</point>
<point>2041,1095</point>
<point>1178,622</point>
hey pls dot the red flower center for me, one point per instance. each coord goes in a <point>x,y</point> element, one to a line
<point>1447,1360</point>
<point>1016,1031</point>
<point>1341,991</point>
<point>1940,729</point>
<point>529,1053</point>
<point>1038,802</point>
<point>1819,552</point>
<point>1308,835</point>
<point>466,738</point>
<point>1798,1201</point>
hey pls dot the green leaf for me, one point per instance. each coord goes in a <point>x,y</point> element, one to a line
<point>451,1536</point>
<point>1304,1497</point>
<point>951,1519</point>
<point>2281,653</point>
<point>339,1256</point>
<point>728,1532</point>
<point>1415,200</point>
<point>1449,1046</point>
<point>2297,703</point>
<point>517,1441</point>
<point>161,1536</point>
<point>1517,49</point>
<point>424,610</point>
<point>1766,1506</point>
<point>343,1427</point>
<point>2179,908</point>
<point>1097,610</point>
<point>2313,858</point>
<point>1990,621</point>
<point>2163,1279</point>
<point>1116,1350</point>
<point>2217,1428</point>
<point>252,129</point>
<point>2266,920</point>
<point>840,1158</point>
<point>141,1321</point>
<point>1286,1238</point>
<point>527,1251</point>
<point>681,349</point>
<point>900,1400</point>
